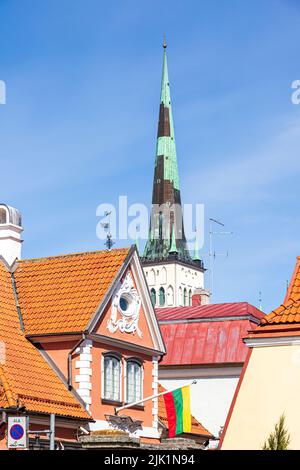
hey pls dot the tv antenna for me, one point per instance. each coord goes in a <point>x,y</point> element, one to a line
<point>212,254</point>
<point>109,243</point>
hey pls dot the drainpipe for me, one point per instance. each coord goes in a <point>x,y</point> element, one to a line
<point>70,360</point>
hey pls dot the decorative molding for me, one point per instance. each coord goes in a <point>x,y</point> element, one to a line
<point>125,320</point>
<point>272,341</point>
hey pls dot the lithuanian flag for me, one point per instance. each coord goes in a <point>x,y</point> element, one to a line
<point>178,409</point>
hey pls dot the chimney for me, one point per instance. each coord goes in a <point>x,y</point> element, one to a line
<point>200,297</point>
<point>10,234</point>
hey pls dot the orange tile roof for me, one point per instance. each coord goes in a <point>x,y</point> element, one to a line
<point>289,311</point>
<point>26,379</point>
<point>197,428</point>
<point>61,294</point>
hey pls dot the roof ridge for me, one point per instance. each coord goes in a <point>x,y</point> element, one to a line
<point>66,255</point>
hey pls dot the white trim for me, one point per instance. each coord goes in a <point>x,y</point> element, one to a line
<point>181,372</point>
<point>83,376</point>
<point>272,341</point>
<point>155,392</point>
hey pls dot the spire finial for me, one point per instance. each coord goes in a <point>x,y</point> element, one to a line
<point>165,42</point>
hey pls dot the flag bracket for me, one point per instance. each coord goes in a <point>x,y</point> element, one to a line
<point>130,405</point>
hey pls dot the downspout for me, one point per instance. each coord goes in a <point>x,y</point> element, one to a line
<point>70,360</point>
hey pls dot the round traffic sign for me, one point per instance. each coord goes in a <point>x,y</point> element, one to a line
<point>17,432</point>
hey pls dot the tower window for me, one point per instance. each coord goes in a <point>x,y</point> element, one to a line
<point>153,297</point>
<point>190,297</point>
<point>3,216</point>
<point>162,297</point>
<point>185,297</point>
<point>170,295</point>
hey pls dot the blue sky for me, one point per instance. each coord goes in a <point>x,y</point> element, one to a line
<point>79,126</point>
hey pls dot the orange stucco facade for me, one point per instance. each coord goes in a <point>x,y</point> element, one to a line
<point>88,351</point>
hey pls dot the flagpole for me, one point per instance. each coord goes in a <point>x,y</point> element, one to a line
<point>130,405</point>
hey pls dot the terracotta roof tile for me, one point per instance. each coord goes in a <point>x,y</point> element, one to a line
<point>289,311</point>
<point>197,428</point>
<point>61,294</point>
<point>25,378</point>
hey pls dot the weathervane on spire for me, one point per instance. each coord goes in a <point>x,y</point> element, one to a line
<point>165,42</point>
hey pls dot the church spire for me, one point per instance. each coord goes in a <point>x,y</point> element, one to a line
<point>166,190</point>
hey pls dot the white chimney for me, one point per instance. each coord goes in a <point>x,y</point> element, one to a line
<point>10,233</point>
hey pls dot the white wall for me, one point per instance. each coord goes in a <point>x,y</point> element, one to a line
<point>210,398</point>
<point>10,242</point>
<point>175,275</point>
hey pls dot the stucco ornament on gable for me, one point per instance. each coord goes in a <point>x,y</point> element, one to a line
<point>125,312</point>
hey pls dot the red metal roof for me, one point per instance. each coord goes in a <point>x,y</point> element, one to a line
<point>234,309</point>
<point>215,339</point>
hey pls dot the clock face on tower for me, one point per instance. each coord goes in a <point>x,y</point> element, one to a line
<point>125,312</point>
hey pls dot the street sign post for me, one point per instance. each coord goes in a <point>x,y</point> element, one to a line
<point>17,432</point>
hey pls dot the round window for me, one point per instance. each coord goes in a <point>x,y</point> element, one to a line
<point>124,304</point>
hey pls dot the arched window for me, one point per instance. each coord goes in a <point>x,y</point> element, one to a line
<point>170,296</point>
<point>190,297</point>
<point>112,377</point>
<point>134,381</point>
<point>151,279</point>
<point>185,297</point>
<point>162,297</point>
<point>163,276</point>
<point>153,296</point>
<point>3,217</point>
<point>180,296</point>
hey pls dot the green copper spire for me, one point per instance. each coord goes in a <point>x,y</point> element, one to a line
<point>166,145</point>
<point>166,233</point>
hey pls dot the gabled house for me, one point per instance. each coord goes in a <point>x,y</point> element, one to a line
<point>271,372</point>
<point>91,318</point>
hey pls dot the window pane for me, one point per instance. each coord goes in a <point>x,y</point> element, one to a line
<point>111,378</point>
<point>134,381</point>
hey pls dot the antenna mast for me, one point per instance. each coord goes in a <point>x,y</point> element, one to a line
<point>212,254</point>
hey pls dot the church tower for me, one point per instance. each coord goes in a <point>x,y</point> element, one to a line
<point>173,275</point>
